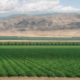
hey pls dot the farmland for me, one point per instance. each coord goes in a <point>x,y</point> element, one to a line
<point>39,43</point>
<point>40,38</point>
<point>50,61</point>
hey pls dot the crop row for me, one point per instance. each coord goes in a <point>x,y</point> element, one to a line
<point>59,61</point>
<point>17,67</point>
<point>39,43</point>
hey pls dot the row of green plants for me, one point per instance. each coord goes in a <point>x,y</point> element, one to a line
<point>39,43</point>
<point>31,61</point>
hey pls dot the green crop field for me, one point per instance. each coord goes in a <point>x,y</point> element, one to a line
<point>40,38</point>
<point>39,43</point>
<point>51,61</point>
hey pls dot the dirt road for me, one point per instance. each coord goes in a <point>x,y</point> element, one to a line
<point>36,78</point>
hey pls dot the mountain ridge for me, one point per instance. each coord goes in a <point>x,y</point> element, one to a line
<point>62,25</point>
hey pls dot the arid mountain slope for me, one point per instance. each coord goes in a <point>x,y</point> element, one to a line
<point>62,25</point>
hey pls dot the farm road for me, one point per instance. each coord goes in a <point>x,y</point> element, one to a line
<point>36,78</point>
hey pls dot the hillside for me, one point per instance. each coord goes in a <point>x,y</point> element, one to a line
<point>57,25</point>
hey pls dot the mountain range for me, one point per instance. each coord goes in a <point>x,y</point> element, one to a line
<point>53,25</point>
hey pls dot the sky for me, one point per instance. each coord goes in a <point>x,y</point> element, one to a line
<point>29,6</point>
<point>73,3</point>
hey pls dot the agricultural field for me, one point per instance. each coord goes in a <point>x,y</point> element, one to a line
<point>39,43</point>
<point>40,61</point>
<point>40,38</point>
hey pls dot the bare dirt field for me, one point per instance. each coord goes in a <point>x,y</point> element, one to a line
<point>36,78</point>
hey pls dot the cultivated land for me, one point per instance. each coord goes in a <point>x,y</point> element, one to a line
<point>40,61</point>
<point>22,38</point>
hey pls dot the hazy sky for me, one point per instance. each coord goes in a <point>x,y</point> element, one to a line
<point>39,6</point>
<point>73,3</point>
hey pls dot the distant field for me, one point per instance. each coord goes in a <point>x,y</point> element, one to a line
<point>50,61</point>
<point>40,38</point>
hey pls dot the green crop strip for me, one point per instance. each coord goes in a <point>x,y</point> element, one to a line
<point>40,43</point>
<point>51,61</point>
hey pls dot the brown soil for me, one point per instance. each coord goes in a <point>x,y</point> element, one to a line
<point>36,78</point>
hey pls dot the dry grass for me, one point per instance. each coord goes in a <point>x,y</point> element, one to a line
<point>54,33</point>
